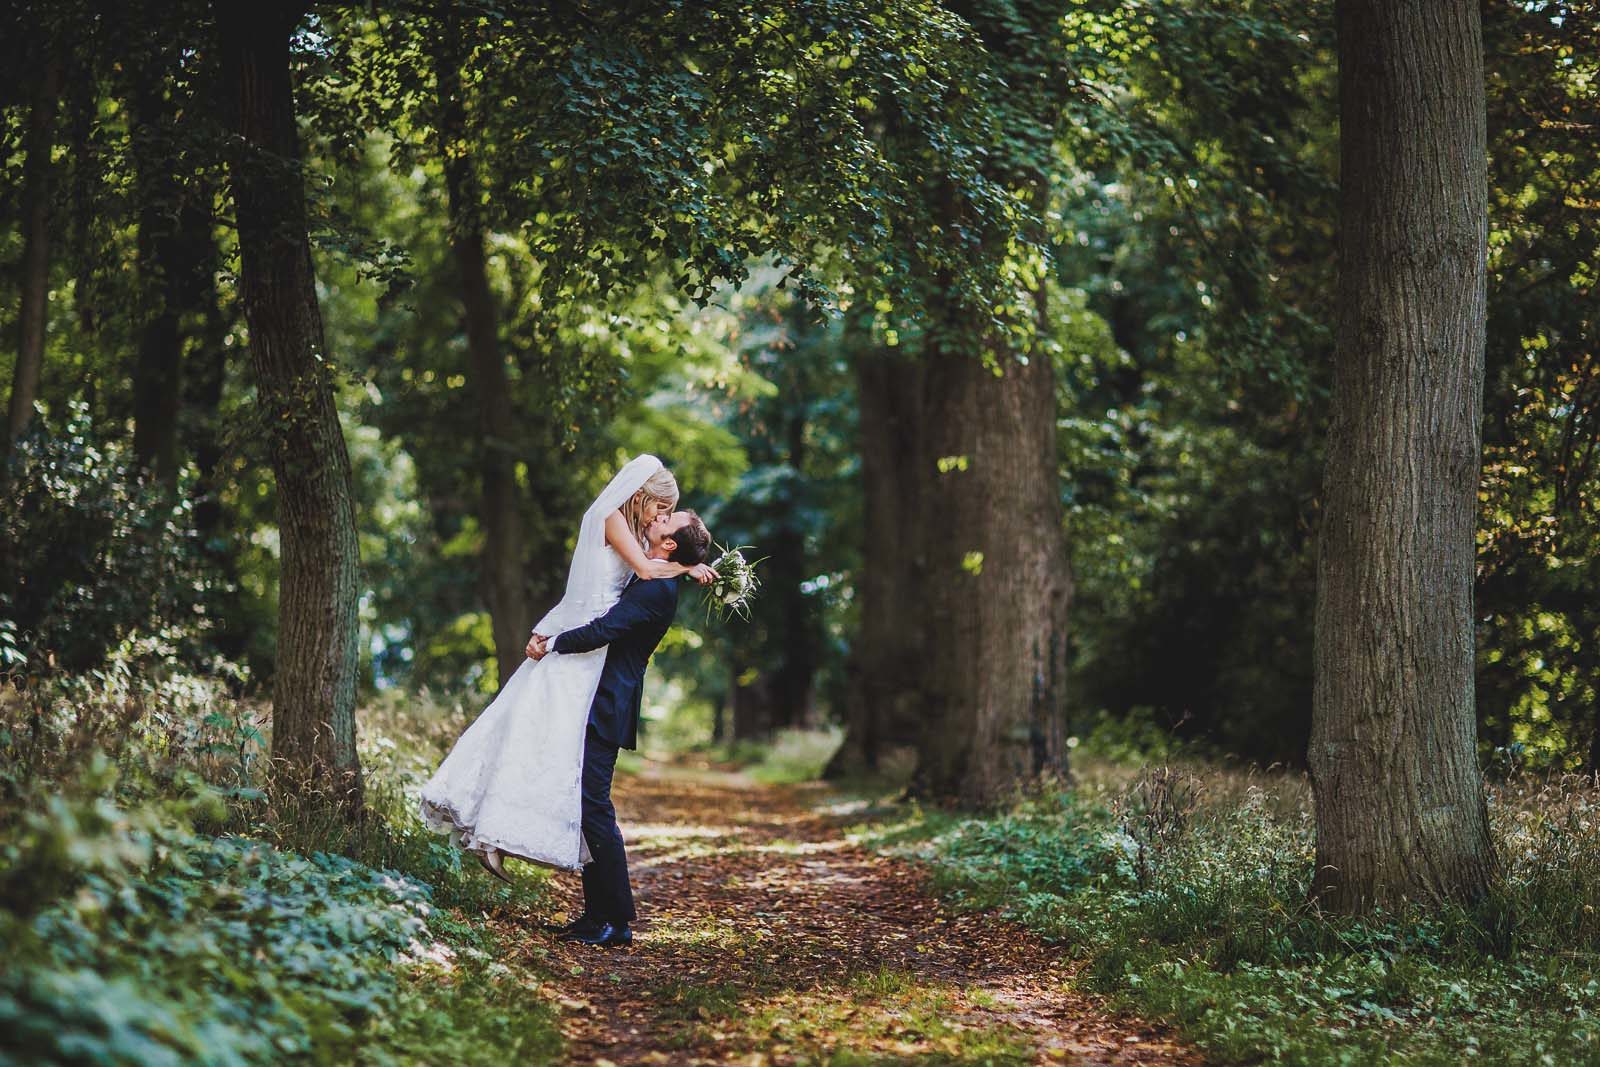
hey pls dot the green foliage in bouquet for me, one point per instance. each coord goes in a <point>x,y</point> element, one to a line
<point>736,584</point>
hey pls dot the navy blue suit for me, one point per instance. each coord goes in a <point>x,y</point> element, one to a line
<point>632,629</point>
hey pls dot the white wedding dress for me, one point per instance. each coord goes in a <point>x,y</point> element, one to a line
<point>512,780</point>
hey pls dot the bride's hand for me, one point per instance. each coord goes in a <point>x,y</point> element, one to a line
<point>702,573</point>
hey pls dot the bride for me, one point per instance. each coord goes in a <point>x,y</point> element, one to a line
<point>509,787</point>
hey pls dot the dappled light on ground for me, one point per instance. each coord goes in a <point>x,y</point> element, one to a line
<point>766,937</point>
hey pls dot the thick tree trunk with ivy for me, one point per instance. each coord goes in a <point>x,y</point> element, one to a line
<point>314,689</point>
<point>1399,797</point>
<point>499,511</point>
<point>885,702</point>
<point>37,170</point>
<point>996,586</point>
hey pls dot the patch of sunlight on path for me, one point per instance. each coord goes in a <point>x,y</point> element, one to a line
<point>768,938</point>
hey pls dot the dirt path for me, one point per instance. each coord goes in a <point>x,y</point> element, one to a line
<point>766,938</point>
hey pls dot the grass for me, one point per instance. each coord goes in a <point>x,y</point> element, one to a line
<point>683,1000</point>
<point>885,1016</point>
<point>880,1017</point>
<point>1185,889</point>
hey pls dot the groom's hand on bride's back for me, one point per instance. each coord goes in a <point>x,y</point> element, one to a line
<point>538,647</point>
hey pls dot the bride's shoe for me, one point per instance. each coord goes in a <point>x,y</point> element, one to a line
<point>490,861</point>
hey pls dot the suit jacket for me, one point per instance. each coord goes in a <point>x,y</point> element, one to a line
<point>632,628</point>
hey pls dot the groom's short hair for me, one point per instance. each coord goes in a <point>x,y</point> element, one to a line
<point>694,542</point>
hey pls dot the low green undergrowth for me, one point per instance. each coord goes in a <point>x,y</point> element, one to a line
<point>1186,892</point>
<point>161,903</point>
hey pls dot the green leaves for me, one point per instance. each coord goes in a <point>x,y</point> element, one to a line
<point>97,555</point>
<point>1215,936</point>
<point>182,949</point>
<point>701,137</point>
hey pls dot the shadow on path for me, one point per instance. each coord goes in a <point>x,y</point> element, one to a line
<point>765,937</point>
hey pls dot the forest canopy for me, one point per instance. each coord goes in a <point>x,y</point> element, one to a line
<point>545,237</point>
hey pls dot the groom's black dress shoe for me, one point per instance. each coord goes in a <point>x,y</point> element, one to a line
<point>609,935</point>
<point>583,923</point>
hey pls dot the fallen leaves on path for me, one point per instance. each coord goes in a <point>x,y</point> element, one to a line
<point>766,938</point>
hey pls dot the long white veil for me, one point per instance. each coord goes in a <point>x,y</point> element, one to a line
<point>589,592</point>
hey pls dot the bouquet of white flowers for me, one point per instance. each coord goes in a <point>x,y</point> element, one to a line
<point>734,588</point>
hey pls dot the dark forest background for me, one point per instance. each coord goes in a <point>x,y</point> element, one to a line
<point>1189,211</point>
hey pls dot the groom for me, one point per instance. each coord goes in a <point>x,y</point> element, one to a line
<point>632,630</point>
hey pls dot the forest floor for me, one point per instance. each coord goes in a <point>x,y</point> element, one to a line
<point>767,937</point>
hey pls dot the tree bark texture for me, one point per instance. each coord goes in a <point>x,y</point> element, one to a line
<point>313,717</point>
<point>885,704</point>
<point>499,511</point>
<point>993,655</point>
<point>37,172</point>
<point>1399,796</point>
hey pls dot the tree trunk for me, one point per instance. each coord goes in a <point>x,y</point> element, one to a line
<point>750,706</point>
<point>802,628</point>
<point>719,719</point>
<point>885,704</point>
<point>995,629</point>
<point>166,267</point>
<point>1399,797</point>
<point>499,513</point>
<point>36,191</point>
<point>205,375</point>
<point>313,715</point>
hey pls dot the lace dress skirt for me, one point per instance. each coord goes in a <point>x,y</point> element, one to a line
<point>512,780</point>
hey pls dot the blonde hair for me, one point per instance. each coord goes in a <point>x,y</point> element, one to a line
<point>660,486</point>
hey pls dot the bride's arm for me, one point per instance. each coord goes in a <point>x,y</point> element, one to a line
<point>621,539</point>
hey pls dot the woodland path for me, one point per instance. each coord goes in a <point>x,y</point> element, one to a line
<point>767,938</point>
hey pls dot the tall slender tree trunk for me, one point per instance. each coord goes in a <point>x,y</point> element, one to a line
<point>885,705</point>
<point>206,371</point>
<point>313,714</point>
<point>995,631</point>
<point>750,707</point>
<point>499,510</point>
<point>793,689</point>
<point>37,171</point>
<point>1399,797</point>
<point>165,267</point>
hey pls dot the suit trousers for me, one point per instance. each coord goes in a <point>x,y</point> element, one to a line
<point>606,893</point>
